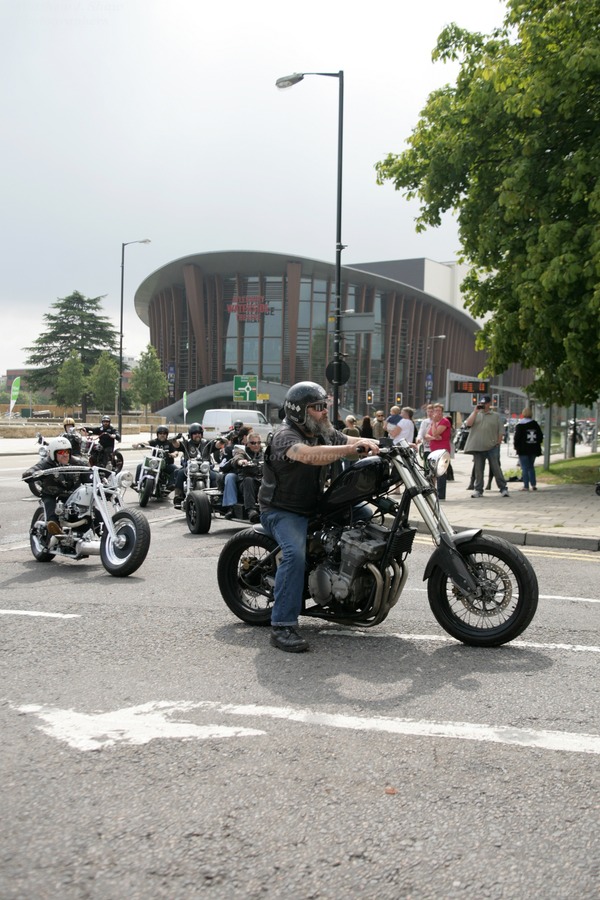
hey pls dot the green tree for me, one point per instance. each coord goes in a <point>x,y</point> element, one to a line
<point>148,381</point>
<point>103,382</point>
<point>70,381</point>
<point>514,149</point>
<point>76,324</point>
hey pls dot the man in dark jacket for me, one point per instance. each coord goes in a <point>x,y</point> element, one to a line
<point>294,474</point>
<point>170,446</point>
<point>528,444</point>
<point>107,435</point>
<point>57,486</point>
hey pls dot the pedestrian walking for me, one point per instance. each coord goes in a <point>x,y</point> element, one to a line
<point>528,444</point>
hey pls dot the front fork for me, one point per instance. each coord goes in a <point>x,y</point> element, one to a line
<point>419,491</point>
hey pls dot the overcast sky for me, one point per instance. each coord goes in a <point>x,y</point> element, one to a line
<point>131,119</point>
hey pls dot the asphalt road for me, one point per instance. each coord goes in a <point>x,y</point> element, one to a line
<point>155,747</point>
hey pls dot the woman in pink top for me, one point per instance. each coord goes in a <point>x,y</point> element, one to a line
<point>439,434</point>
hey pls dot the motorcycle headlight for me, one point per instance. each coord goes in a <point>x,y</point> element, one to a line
<point>124,479</point>
<point>153,462</point>
<point>438,462</point>
<point>205,467</point>
<point>193,466</point>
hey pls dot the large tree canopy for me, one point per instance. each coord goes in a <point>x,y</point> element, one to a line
<point>76,325</point>
<point>514,149</point>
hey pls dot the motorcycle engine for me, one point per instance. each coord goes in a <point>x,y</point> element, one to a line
<point>78,504</point>
<point>341,576</point>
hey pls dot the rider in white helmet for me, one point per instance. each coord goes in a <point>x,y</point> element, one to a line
<point>60,485</point>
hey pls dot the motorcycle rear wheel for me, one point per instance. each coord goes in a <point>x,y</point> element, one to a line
<point>504,604</point>
<point>117,461</point>
<point>121,561</point>
<point>198,513</point>
<point>146,490</point>
<point>38,538</point>
<point>246,576</point>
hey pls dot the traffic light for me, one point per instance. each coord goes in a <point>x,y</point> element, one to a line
<point>398,398</point>
<point>496,401</point>
<point>370,398</point>
<point>474,399</point>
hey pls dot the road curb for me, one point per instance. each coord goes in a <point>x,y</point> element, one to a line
<point>531,538</point>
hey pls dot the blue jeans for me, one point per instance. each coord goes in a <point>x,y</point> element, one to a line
<point>230,490</point>
<point>528,469</point>
<point>289,530</point>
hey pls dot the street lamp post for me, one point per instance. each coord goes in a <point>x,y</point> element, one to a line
<point>120,396</point>
<point>429,372</point>
<point>337,376</point>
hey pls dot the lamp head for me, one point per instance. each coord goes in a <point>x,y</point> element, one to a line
<point>287,81</point>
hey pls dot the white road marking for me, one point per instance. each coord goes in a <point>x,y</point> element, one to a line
<point>542,596</point>
<point>442,639</point>
<point>140,724</point>
<point>29,612</point>
<point>133,725</point>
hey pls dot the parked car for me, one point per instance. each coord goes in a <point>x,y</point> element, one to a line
<point>220,421</point>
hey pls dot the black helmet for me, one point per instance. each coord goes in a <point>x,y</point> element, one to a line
<point>105,419</point>
<point>238,424</point>
<point>162,429</point>
<point>195,428</point>
<point>301,395</point>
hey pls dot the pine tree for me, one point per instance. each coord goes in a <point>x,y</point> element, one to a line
<point>75,325</point>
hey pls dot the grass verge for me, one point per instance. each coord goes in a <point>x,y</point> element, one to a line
<point>581,470</point>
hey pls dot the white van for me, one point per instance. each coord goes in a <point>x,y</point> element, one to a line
<point>220,421</point>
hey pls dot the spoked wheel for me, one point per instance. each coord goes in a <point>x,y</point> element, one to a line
<point>124,555</point>
<point>146,490</point>
<point>39,537</point>
<point>503,604</point>
<point>246,576</point>
<point>198,513</point>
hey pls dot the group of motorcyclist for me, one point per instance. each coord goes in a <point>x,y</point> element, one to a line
<point>236,462</point>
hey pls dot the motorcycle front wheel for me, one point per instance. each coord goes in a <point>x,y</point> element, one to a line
<point>504,602</point>
<point>246,576</point>
<point>117,461</point>
<point>39,537</point>
<point>198,513</point>
<point>146,490</point>
<point>123,556</point>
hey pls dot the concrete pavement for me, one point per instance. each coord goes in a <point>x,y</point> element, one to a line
<point>565,516</point>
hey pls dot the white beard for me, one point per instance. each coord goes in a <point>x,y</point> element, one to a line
<point>319,427</point>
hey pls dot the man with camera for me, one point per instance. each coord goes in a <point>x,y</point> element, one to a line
<point>486,432</point>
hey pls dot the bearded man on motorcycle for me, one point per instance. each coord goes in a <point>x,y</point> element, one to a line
<point>192,448</point>
<point>107,435</point>
<point>57,487</point>
<point>294,474</point>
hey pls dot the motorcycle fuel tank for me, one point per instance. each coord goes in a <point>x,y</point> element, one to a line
<point>360,481</point>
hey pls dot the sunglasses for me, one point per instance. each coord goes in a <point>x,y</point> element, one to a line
<point>254,442</point>
<point>318,407</point>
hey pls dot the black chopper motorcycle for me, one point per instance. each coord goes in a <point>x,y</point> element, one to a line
<point>481,589</point>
